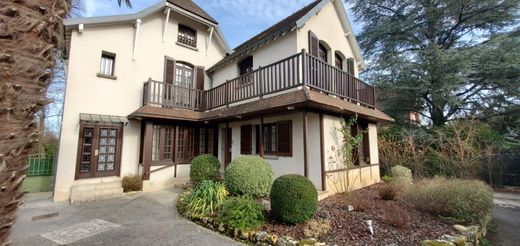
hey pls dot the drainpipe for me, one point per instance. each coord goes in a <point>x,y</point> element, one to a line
<point>166,23</point>
<point>209,39</point>
<point>137,26</point>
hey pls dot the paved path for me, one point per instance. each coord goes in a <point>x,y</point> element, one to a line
<point>506,216</point>
<point>141,219</point>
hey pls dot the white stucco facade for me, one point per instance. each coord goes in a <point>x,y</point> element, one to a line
<point>139,58</point>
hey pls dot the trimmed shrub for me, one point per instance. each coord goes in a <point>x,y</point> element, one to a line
<point>204,167</point>
<point>455,200</point>
<point>205,199</point>
<point>132,183</point>
<point>387,192</point>
<point>294,199</point>
<point>249,175</point>
<point>401,174</point>
<point>242,213</point>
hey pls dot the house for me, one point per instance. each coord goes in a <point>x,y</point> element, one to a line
<point>146,92</point>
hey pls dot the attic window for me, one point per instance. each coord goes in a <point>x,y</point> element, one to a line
<point>187,36</point>
<point>107,64</point>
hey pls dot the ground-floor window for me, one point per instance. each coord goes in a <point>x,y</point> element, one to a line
<point>278,138</point>
<point>180,143</point>
<point>361,154</point>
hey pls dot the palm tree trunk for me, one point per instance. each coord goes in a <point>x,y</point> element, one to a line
<point>30,31</point>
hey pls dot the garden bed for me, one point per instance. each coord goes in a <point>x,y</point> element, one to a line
<point>350,228</point>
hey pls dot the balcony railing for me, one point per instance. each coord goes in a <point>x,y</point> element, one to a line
<point>301,69</point>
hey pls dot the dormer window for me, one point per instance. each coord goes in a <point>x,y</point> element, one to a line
<point>187,36</point>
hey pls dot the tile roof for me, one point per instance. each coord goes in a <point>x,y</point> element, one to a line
<point>282,26</point>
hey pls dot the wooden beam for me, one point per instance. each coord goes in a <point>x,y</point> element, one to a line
<point>322,155</point>
<point>147,149</point>
<point>176,141</point>
<point>305,162</point>
<point>226,146</point>
<point>262,136</point>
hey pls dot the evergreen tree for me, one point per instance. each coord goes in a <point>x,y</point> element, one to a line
<point>442,58</point>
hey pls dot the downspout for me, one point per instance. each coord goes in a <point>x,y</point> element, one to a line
<point>209,39</point>
<point>137,26</point>
<point>166,23</point>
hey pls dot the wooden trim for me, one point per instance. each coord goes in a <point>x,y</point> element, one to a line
<point>322,154</point>
<point>262,136</point>
<point>147,149</point>
<point>305,157</point>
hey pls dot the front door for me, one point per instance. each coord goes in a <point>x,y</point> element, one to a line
<point>99,151</point>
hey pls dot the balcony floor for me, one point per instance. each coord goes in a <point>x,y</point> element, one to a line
<point>303,97</point>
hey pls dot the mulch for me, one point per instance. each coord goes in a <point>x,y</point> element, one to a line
<point>350,228</point>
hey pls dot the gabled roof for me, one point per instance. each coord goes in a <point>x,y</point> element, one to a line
<point>185,7</point>
<point>290,23</point>
<point>193,8</point>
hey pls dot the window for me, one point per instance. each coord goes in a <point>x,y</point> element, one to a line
<point>278,138</point>
<point>163,143</point>
<point>206,141</point>
<point>350,66</point>
<point>187,36</point>
<point>107,63</point>
<point>322,52</point>
<point>245,66</point>
<point>183,75</point>
<point>361,154</point>
<point>338,61</point>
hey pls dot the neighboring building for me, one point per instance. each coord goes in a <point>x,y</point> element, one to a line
<point>147,92</point>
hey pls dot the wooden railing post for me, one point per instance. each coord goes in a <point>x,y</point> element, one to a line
<point>226,93</point>
<point>303,69</point>
<point>260,84</point>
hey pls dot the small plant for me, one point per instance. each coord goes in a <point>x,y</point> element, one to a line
<point>387,179</point>
<point>249,175</point>
<point>402,174</point>
<point>396,216</point>
<point>182,202</point>
<point>205,199</point>
<point>387,192</point>
<point>294,199</point>
<point>132,183</point>
<point>316,229</point>
<point>204,167</point>
<point>242,213</point>
<point>358,202</point>
<point>456,200</point>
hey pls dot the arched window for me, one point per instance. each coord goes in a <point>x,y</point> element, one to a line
<point>183,75</point>
<point>245,66</point>
<point>350,66</point>
<point>338,60</point>
<point>322,52</point>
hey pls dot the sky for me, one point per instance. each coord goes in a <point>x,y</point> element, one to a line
<point>239,19</point>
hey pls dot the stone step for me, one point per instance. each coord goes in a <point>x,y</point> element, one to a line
<point>90,195</point>
<point>96,186</point>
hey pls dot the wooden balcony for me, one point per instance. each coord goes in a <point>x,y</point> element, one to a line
<point>301,69</point>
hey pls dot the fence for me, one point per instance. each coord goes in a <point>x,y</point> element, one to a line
<point>40,165</point>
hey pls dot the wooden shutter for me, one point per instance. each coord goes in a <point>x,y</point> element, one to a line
<point>350,66</point>
<point>169,70</point>
<point>246,147</point>
<point>284,131</point>
<point>313,44</point>
<point>199,78</point>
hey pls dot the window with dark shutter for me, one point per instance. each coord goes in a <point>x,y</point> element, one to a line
<point>322,52</point>
<point>169,70</point>
<point>246,147</point>
<point>284,138</point>
<point>350,66</point>
<point>338,61</point>
<point>313,44</point>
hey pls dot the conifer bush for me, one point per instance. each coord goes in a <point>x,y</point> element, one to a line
<point>204,167</point>
<point>249,175</point>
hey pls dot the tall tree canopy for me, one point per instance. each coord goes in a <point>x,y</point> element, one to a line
<point>442,58</point>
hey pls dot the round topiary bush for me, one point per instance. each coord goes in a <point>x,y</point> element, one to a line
<point>249,175</point>
<point>294,199</point>
<point>401,174</point>
<point>204,167</point>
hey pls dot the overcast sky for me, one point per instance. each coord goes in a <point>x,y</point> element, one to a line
<point>239,19</point>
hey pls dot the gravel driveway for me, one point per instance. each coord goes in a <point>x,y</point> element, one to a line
<point>506,216</point>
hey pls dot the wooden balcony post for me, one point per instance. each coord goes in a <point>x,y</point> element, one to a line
<point>303,70</point>
<point>260,82</point>
<point>226,93</point>
<point>147,149</point>
<point>261,136</point>
<point>305,164</point>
